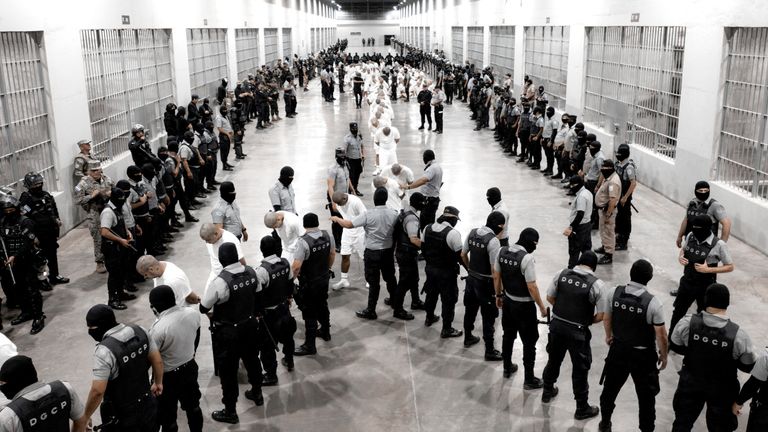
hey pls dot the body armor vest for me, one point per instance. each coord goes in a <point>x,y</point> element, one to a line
<point>239,308</point>
<point>50,413</point>
<point>696,208</point>
<point>572,301</point>
<point>280,287</point>
<point>512,276</point>
<point>131,357</point>
<point>628,319</point>
<point>437,253</point>
<point>315,268</point>
<point>402,240</point>
<point>710,350</point>
<point>479,260</point>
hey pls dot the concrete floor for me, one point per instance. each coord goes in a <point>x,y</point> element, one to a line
<point>389,374</point>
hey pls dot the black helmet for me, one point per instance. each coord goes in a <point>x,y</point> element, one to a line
<point>137,128</point>
<point>8,201</point>
<point>32,178</point>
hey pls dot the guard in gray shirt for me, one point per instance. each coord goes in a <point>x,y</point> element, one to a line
<point>379,223</point>
<point>579,230</point>
<point>353,144</point>
<point>226,213</point>
<point>432,181</point>
<point>634,329</point>
<point>715,348</point>
<point>756,389</point>
<point>480,251</point>
<point>176,332</point>
<point>281,195</point>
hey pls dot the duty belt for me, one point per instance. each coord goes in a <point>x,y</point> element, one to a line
<point>184,366</point>
<point>224,323</point>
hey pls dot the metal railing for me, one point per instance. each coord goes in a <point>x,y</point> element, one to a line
<point>546,60</point>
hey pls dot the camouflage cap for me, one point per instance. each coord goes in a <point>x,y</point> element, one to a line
<point>94,165</point>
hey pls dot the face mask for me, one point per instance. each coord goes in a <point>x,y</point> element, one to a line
<point>622,156</point>
<point>354,131</point>
<point>37,191</point>
<point>97,333</point>
<point>118,203</point>
<point>163,156</point>
<point>9,391</point>
<point>341,160</point>
<point>136,177</point>
<point>497,229</point>
<point>701,233</point>
<point>574,187</point>
<point>702,196</point>
<point>593,150</point>
<point>607,172</point>
<point>528,246</point>
<point>229,197</point>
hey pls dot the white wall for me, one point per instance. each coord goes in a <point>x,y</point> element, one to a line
<point>62,21</point>
<point>701,93</point>
<point>367,29</point>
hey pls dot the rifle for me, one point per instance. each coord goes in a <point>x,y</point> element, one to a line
<point>5,255</point>
<point>116,235</point>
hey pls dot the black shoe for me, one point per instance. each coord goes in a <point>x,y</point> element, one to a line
<point>37,325</point>
<point>533,383</point>
<point>191,218</point>
<point>421,127</point>
<point>600,250</point>
<point>195,202</point>
<point>256,396</point>
<point>509,371</point>
<point>288,363</point>
<point>201,195</point>
<point>176,224</point>
<point>604,426</point>
<point>215,183</point>
<point>269,380</point>
<point>358,193</point>
<point>58,280</point>
<point>45,285</point>
<point>124,296</point>
<point>477,128</point>
<point>587,412</point>
<point>325,335</point>
<point>387,301</point>
<point>605,259</point>
<point>557,177</point>
<point>549,394</point>
<point>470,340</point>
<point>417,305</point>
<point>520,160</point>
<point>225,416</point>
<point>367,314</point>
<point>493,355</point>
<point>211,188</point>
<point>229,167</point>
<point>450,333</point>
<point>116,304</point>
<point>403,315</point>
<point>24,317</point>
<point>304,350</point>
<point>130,288</point>
<point>173,229</point>
<point>621,246</point>
<point>439,132</point>
<point>431,320</point>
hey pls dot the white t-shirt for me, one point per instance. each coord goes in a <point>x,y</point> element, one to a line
<point>405,176</point>
<point>388,142</point>
<point>213,253</point>
<point>290,231</point>
<point>175,278</point>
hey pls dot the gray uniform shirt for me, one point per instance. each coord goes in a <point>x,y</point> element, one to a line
<point>760,370</point>
<point>582,202</point>
<point>411,222</point>
<point>527,268</point>
<point>379,224</point>
<point>262,275</point>
<point>105,366</point>
<point>594,168</point>
<point>229,216</point>
<point>501,207</point>
<point>354,145</point>
<point>630,172</point>
<point>223,123</point>
<point>282,196</point>
<point>719,253</point>
<point>108,218</point>
<point>434,174</point>
<point>302,248</point>
<point>174,333</point>
<point>218,291</point>
<point>340,177</point>
<point>453,239</point>
<point>742,346</point>
<point>716,211</point>
<point>493,248</point>
<point>596,291</point>
<point>9,421</point>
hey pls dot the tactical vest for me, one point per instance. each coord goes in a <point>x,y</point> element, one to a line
<point>696,208</point>
<point>479,260</point>
<point>279,288</point>
<point>238,309</point>
<point>50,413</point>
<point>696,253</point>
<point>620,170</point>
<point>142,210</point>
<point>525,122</point>
<point>131,384</point>
<point>710,350</point>
<point>629,319</point>
<point>15,235</point>
<point>437,253</point>
<point>402,240</point>
<point>193,162</point>
<point>119,228</point>
<point>39,208</point>
<point>572,302</point>
<point>512,276</point>
<point>315,268</point>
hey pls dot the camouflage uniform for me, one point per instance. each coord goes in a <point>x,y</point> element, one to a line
<point>94,206</point>
<point>80,167</point>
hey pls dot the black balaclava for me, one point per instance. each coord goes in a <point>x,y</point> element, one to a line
<point>550,112</point>
<point>134,173</point>
<point>717,296</point>
<point>589,259</point>
<point>162,153</point>
<point>417,201</point>
<point>286,176</point>
<point>17,372</point>
<point>353,129</point>
<point>269,246</point>
<point>641,272</point>
<point>341,156</point>
<point>575,183</point>
<point>310,220</point>
<point>117,198</point>
<point>227,191</point>
<point>701,226</point>
<point>161,298</point>
<point>228,254</point>
<point>102,318</point>
<point>594,147</point>
<point>493,195</point>
<point>189,137</point>
<point>622,152</point>
<point>495,222</point>
<point>608,168</point>
<point>148,171</point>
<point>528,239</point>
<point>380,197</point>
<point>428,156</point>
<point>702,196</point>
<point>124,186</point>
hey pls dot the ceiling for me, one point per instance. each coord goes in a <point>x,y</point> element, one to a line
<point>367,6</point>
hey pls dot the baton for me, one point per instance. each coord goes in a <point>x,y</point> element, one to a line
<point>269,333</point>
<point>634,208</point>
<point>548,319</point>
<point>5,252</point>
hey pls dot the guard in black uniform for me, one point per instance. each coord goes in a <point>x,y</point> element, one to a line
<point>577,298</point>
<point>278,326</point>
<point>19,266</point>
<point>407,245</point>
<point>634,326</point>
<point>37,406</point>
<point>517,295</point>
<point>480,250</point>
<point>312,261</point>
<point>234,298</point>
<point>715,348</point>
<point>40,206</point>
<point>116,246</point>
